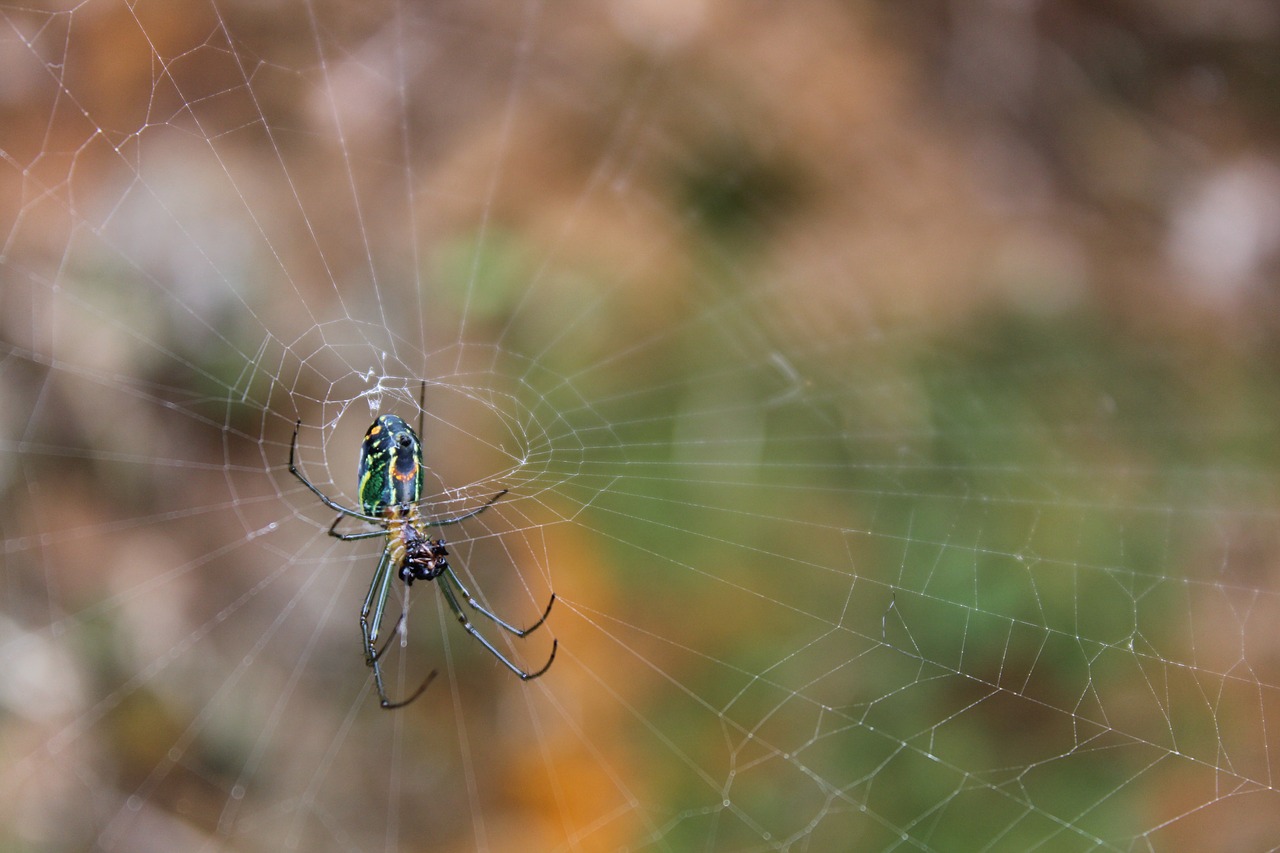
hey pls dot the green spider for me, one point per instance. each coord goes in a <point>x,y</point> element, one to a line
<point>390,478</point>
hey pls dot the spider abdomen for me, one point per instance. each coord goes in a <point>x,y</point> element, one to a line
<point>390,465</point>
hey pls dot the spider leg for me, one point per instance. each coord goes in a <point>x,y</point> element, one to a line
<point>363,534</point>
<point>442,522</point>
<point>386,702</point>
<point>379,586</point>
<point>422,407</point>
<point>475,605</point>
<point>395,629</point>
<point>470,629</point>
<point>328,501</point>
<point>376,664</point>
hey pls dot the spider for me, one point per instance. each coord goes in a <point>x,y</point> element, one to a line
<point>390,478</point>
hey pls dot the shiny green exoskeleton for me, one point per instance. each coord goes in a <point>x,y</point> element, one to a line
<point>390,466</point>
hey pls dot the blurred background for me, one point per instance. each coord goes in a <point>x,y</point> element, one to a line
<point>886,390</point>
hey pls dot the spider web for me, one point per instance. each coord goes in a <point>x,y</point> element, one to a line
<point>902,460</point>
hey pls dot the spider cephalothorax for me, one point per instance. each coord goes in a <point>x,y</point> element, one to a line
<point>425,558</point>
